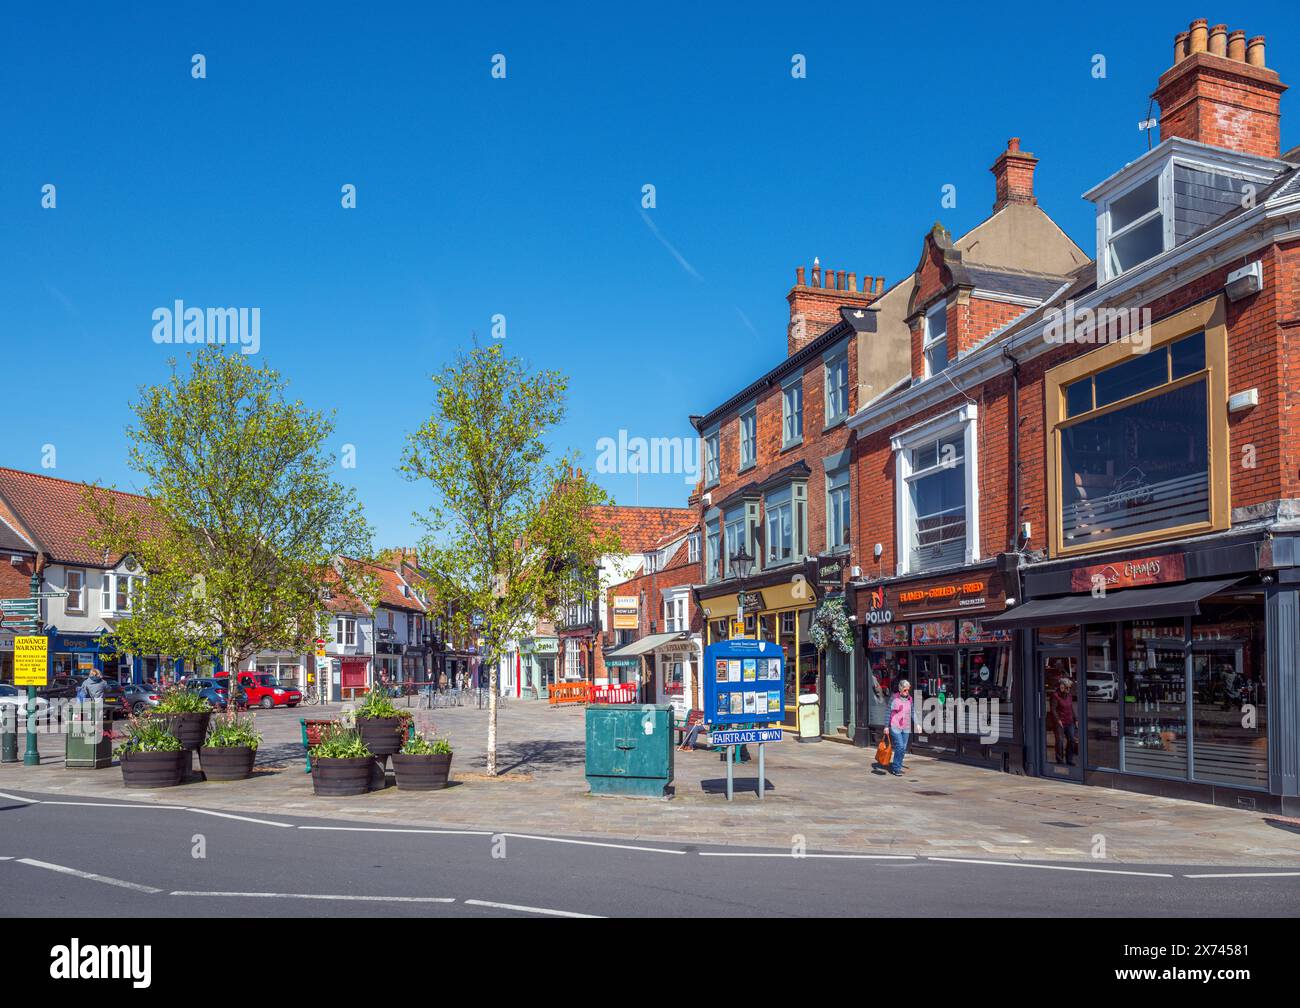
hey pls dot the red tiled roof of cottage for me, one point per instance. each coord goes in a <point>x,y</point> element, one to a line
<point>390,584</point>
<point>49,512</point>
<point>341,599</point>
<point>640,528</point>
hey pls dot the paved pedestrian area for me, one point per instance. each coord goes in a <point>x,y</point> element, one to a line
<point>822,797</point>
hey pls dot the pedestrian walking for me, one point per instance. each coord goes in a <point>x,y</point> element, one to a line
<point>900,724</point>
<point>94,686</point>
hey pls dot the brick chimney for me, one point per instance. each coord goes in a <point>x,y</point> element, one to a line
<point>815,306</point>
<point>1013,173</point>
<point>1220,92</point>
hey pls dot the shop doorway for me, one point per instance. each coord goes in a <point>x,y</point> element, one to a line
<point>1059,687</point>
<point>835,720</point>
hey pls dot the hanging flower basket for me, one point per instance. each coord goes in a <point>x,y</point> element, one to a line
<point>830,625</point>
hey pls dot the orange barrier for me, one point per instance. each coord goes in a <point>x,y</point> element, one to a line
<point>565,693</point>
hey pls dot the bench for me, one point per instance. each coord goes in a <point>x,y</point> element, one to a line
<point>680,728</point>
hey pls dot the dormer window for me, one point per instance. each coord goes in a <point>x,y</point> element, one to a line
<point>935,347</point>
<point>1134,225</point>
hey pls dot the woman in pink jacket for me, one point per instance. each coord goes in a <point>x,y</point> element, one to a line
<point>900,725</point>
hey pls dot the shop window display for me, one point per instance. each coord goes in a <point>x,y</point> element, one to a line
<point>1155,698</point>
<point>1229,694</point>
<point>1104,692</point>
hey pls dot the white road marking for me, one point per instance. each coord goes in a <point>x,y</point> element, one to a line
<point>588,843</point>
<point>14,797</point>
<point>1262,874</point>
<point>91,804</point>
<point>63,869</point>
<point>800,857</point>
<point>10,858</point>
<point>1048,867</point>
<point>227,815</point>
<point>388,829</point>
<point>318,896</point>
<point>536,910</point>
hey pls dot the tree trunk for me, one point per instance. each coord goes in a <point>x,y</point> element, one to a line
<point>492,721</point>
<point>231,684</point>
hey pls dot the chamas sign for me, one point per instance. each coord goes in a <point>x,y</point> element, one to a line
<point>1129,573</point>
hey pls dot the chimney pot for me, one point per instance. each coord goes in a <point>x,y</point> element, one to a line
<point>1013,144</point>
<point>1219,40</point>
<point>1237,46</point>
<point>853,282</point>
<point>880,285</point>
<point>1180,47</point>
<point>839,280</point>
<point>1199,34</point>
<point>828,279</point>
<point>798,276</point>
<point>1255,51</point>
<point>816,273</point>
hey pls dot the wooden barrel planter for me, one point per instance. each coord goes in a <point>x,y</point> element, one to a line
<point>190,728</point>
<point>227,763</point>
<point>427,772</point>
<point>153,769</point>
<point>383,736</point>
<point>341,777</point>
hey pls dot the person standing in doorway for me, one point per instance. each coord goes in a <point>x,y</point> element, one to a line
<point>1067,738</point>
<point>900,725</point>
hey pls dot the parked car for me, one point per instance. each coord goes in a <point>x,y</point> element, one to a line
<point>61,687</point>
<point>140,697</point>
<point>265,691</point>
<point>214,691</point>
<point>16,696</point>
<point>1102,685</point>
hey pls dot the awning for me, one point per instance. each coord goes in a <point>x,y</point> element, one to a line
<point>1145,603</point>
<point>645,644</point>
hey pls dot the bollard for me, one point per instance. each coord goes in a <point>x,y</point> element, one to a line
<point>8,746</point>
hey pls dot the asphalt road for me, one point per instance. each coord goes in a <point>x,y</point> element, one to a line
<point>66,858</point>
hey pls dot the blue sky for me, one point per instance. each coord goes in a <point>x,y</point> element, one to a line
<point>519,196</point>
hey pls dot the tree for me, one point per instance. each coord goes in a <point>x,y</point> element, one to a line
<point>244,520</point>
<point>509,524</point>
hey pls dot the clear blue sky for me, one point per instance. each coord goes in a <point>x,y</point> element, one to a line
<point>519,196</point>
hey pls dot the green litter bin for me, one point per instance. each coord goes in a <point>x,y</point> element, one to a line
<point>630,749</point>
<point>83,750</point>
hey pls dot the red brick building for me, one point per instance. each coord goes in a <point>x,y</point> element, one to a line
<point>1086,511</point>
<point>653,633</point>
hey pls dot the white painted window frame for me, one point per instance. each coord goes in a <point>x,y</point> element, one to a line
<point>963,420</point>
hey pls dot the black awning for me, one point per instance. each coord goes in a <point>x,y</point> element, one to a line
<point>1144,603</point>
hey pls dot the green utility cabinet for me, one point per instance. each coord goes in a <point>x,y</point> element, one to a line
<point>630,749</point>
<point>82,749</point>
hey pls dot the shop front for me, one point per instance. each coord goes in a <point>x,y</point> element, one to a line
<point>6,656</point>
<point>537,658</point>
<point>1166,672</point>
<point>779,606</point>
<point>934,632</point>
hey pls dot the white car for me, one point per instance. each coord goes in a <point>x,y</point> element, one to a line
<point>13,696</point>
<point>1102,686</point>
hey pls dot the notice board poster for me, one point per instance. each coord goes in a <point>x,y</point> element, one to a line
<point>745,684</point>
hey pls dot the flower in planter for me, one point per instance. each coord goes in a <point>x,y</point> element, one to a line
<point>147,735</point>
<point>377,705</point>
<point>419,745</point>
<point>340,743</point>
<point>179,700</point>
<point>232,732</point>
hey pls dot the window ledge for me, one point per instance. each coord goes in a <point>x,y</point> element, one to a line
<point>746,468</point>
<point>837,422</point>
<point>787,445</point>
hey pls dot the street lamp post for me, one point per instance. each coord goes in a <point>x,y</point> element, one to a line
<point>741,566</point>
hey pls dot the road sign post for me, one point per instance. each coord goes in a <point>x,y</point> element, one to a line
<point>31,669</point>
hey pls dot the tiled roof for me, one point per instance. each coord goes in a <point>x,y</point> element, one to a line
<point>675,534</point>
<point>49,511</point>
<point>640,528</point>
<point>1014,282</point>
<point>342,600</point>
<point>390,585</point>
<point>11,539</point>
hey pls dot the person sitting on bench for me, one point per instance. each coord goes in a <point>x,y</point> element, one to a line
<point>692,733</point>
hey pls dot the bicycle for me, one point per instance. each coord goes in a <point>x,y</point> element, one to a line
<point>310,695</point>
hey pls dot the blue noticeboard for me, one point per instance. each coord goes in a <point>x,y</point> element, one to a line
<point>744,683</point>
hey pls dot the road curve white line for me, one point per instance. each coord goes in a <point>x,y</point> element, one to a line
<point>587,843</point>
<point>349,898</point>
<point>63,869</point>
<point>1048,867</point>
<point>14,797</point>
<point>122,805</point>
<point>1261,874</point>
<point>801,857</point>
<point>393,829</point>
<point>10,858</point>
<point>227,815</point>
<point>529,909</point>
